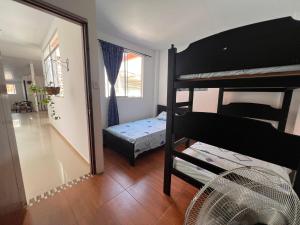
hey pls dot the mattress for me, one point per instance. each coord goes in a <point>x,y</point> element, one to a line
<point>259,71</point>
<point>145,134</point>
<point>222,158</point>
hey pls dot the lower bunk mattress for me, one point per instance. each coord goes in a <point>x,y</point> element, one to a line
<point>145,134</point>
<point>222,158</point>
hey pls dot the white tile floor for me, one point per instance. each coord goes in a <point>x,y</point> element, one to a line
<point>46,159</point>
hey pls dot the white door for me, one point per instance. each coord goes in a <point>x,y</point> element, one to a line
<point>12,195</point>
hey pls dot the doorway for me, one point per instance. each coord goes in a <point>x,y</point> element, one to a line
<point>46,78</point>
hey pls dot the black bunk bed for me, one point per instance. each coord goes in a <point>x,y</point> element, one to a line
<point>244,53</point>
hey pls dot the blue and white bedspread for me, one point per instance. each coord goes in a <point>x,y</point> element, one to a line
<point>145,134</point>
<point>222,158</point>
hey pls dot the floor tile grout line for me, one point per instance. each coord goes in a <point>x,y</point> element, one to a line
<point>119,182</point>
<point>138,202</point>
<point>144,206</point>
<point>114,179</point>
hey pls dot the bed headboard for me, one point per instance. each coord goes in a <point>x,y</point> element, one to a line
<point>256,110</point>
<point>245,136</point>
<point>179,110</point>
<point>160,108</point>
<point>260,45</point>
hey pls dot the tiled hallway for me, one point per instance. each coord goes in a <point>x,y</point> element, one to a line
<point>47,159</point>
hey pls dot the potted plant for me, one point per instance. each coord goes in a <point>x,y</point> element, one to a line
<point>49,91</point>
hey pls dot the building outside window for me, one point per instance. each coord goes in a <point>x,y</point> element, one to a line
<point>130,78</point>
<point>53,69</point>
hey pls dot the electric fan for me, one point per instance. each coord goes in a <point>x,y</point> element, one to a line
<point>245,196</point>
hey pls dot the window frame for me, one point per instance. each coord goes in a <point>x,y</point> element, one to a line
<point>107,84</point>
<point>49,55</point>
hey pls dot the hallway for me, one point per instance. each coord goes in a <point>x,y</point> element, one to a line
<point>47,159</point>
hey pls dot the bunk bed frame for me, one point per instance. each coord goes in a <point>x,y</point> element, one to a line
<point>261,45</point>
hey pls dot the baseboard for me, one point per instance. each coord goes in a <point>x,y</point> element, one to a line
<point>68,142</point>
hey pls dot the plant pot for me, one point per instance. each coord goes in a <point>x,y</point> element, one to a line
<point>52,90</point>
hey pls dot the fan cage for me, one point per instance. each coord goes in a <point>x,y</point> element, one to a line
<point>245,196</point>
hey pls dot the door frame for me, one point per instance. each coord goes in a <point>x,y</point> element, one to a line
<point>83,22</point>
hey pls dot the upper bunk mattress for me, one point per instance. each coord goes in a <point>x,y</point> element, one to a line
<point>222,158</point>
<point>145,134</point>
<point>270,71</point>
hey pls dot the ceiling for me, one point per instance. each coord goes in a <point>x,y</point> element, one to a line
<point>21,24</point>
<point>157,24</point>
<point>16,68</point>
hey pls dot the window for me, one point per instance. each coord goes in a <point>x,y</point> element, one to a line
<point>129,82</point>
<point>11,89</point>
<point>53,69</point>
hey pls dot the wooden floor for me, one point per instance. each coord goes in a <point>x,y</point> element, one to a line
<point>123,195</point>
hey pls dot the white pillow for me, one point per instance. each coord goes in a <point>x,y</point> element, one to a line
<point>162,115</point>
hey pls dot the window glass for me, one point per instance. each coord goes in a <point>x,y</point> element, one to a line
<point>54,42</point>
<point>129,82</point>
<point>53,66</point>
<point>134,72</point>
<point>11,89</point>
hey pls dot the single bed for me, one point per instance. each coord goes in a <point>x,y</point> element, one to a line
<point>222,158</point>
<point>134,138</point>
<point>144,134</point>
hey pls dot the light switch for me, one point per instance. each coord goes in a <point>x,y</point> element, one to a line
<point>95,85</point>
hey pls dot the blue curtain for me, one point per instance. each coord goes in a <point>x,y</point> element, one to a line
<point>112,56</point>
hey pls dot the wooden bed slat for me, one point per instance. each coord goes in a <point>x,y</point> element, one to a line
<point>256,89</point>
<point>187,178</point>
<point>180,142</point>
<point>246,136</point>
<point>267,81</point>
<point>181,104</point>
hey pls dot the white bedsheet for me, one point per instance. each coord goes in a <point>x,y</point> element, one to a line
<point>241,72</point>
<point>222,158</point>
<point>144,134</point>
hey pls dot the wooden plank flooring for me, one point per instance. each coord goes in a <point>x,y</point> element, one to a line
<point>123,195</point>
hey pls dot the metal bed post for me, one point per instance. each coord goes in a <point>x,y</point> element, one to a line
<point>171,102</point>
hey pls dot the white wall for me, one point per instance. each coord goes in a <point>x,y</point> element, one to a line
<point>206,101</point>
<point>131,108</point>
<point>87,10</point>
<point>17,69</point>
<point>73,124</point>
